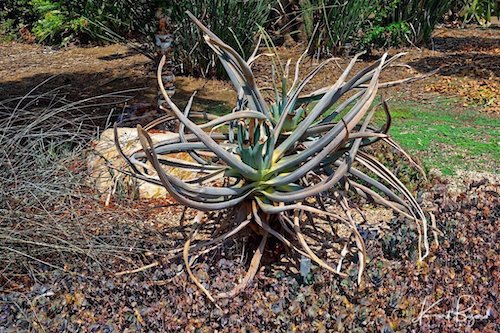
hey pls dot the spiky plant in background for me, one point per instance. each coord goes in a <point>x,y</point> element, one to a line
<point>281,166</point>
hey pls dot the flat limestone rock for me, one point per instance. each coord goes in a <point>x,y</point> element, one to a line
<point>104,161</point>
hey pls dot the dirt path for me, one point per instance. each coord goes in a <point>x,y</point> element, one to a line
<point>469,62</point>
<point>456,111</point>
<point>86,71</point>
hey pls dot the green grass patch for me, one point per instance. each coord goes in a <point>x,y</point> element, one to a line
<point>447,139</point>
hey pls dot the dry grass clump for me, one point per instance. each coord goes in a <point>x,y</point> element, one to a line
<point>49,219</point>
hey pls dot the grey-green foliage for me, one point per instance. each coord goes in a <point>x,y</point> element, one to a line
<point>478,10</point>
<point>236,21</point>
<point>334,25</point>
<point>421,15</point>
<point>280,162</point>
<point>58,22</point>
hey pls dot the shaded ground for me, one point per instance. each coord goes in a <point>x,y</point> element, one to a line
<point>469,62</point>
<point>85,72</point>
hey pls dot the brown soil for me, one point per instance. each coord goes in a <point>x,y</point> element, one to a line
<point>87,71</point>
<point>468,61</point>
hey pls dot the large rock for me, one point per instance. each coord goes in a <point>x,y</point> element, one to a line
<point>104,161</point>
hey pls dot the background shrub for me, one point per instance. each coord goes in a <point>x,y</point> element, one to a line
<point>478,11</point>
<point>15,14</point>
<point>235,21</point>
<point>421,15</point>
<point>361,24</point>
<point>334,25</point>
<point>59,22</point>
<point>55,23</point>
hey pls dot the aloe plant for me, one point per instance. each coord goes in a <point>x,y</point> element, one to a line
<point>277,164</point>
